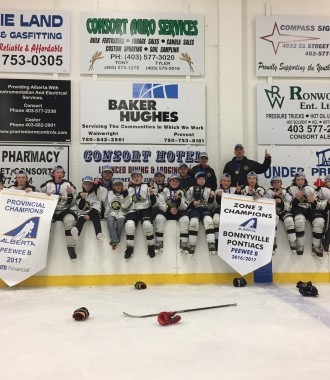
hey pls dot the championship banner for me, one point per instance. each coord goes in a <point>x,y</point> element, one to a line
<point>141,43</point>
<point>124,113</point>
<point>24,233</point>
<point>246,232</point>
<point>293,114</point>
<point>292,46</point>
<point>145,158</point>
<point>34,41</point>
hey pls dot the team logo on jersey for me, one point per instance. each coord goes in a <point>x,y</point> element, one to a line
<point>249,225</point>
<point>25,230</point>
<point>155,90</point>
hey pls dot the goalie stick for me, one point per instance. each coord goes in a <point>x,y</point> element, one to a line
<point>180,311</point>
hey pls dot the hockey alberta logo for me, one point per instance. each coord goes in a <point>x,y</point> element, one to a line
<point>249,225</point>
<point>155,90</point>
<point>28,229</point>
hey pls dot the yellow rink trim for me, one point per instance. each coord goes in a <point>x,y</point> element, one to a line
<point>161,279</point>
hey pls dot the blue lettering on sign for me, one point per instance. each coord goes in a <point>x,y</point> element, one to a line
<point>283,171</point>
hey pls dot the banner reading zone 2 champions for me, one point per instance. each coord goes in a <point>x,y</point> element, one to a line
<point>246,232</point>
<point>24,233</point>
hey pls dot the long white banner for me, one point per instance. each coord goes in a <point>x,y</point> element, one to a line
<point>246,232</point>
<point>24,233</point>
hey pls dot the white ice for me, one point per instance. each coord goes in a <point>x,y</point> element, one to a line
<point>273,333</point>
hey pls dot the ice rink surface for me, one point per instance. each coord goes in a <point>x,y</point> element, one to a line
<point>272,333</point>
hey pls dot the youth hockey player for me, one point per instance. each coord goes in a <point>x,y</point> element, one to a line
<point>200,202</point>
<point>283,208</point>
<point>323,194</point>
<point>303,197</point>
<point>22,182</point>
<point>143,197</point>
<point>89,208</point>
<point>225,187</point>
<point>64,212</point>
<point>172,206</point>
<point>185,179</point>
<point>252,189</point>
<point>118,203</point>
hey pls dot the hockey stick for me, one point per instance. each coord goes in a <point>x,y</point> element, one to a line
<point>180,311</point>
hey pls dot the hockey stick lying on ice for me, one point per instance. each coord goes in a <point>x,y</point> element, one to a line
<point>180,311</point>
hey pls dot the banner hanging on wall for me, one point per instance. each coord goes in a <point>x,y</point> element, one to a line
<point>24,237</point>
<point>36,161</point>
<point>35,110</point>
<point>288,160</point>
<point>142,113</point>
<point>292,46</point>
<point>246,232</point>
<point>145,158</point>
<point>293,114</point>
<point>34,41</point>
<point>141,43</point>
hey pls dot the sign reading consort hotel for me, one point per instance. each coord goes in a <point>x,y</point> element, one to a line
<point>293,114</point>
<point>142,113</point>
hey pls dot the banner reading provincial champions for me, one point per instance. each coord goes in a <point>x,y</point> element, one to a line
<point>24,233</point>
<point>246,232</point>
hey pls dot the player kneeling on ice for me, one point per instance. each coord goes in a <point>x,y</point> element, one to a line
<point>143,197</point>
<point>283,208</point>
<point>303,202</point>
<point>200,201</point>
<point>172,206</point>
<point>225,187</point>
<point>89,208</point>
<point>117,205</point>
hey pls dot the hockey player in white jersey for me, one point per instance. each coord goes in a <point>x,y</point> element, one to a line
<point>143,197</point>
<point>172,206</point>
<point>283,208</point>
<point>64,211</point>
<point>303,200</point>
<point>323,193</point>
<point>225,187</point>
<point>200,201</point>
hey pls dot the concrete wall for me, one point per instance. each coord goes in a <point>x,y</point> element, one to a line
<point>231,118</point>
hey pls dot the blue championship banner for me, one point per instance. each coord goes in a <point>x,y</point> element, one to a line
<point>246,232</point>
<point>24,233</point>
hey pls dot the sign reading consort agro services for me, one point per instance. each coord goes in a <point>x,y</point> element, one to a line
<point>142,113</point>
<point>141,44</point>
<point>292,46</point>
<point>293,114</point>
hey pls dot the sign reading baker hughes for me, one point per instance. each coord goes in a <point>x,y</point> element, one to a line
<point>34,41</point>
<point>293,114</point>
<point>292,46</point>
<point>142,113</point>
<point>141,44</point>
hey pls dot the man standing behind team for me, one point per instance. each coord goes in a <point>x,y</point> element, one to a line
<point>240,166</point>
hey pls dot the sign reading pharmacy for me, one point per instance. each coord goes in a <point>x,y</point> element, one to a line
<point>293,114</point>
<point>246,232</point>
<point>141,44</point>
<point>142,113</point>
<point>292,46</point>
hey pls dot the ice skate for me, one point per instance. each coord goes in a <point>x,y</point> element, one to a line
<point>129,252</point>
<point>293,246</point>
<point>100,237</point>
<point>212,248</point>
<point>72,253</point>
<point>158,246</point>
<point>151,251</point>
<point>191,249</point>
<point>317,250</point>
<point>184,246</point>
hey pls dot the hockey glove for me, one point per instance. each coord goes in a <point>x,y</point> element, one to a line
<point>80,314</point>
<point>239,282</point>
<point>168,318</point>
<point>140,285</point>
<point>307,289</point>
